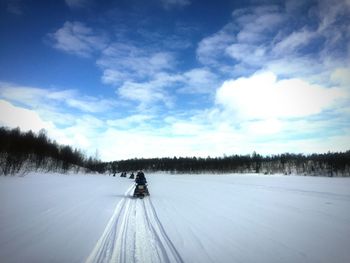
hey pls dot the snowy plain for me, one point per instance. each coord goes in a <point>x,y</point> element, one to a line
<point>187,218</point>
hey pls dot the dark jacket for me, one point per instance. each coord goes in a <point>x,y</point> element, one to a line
<point>140,178</point>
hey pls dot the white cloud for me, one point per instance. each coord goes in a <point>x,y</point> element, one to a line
<point>251,112</point>
<point>267,38</point>
<point>330,12</point>
<point>250,54</point>
<point>203,133</point>
<point>162,86</point>
<point>136,143</point>
<point>148,93</point>
<point>187,128</point>
<point>83,133</point>
<point>37,97</point>
<point>114,76</point>
<point>147,76</point>
<point>80,130</point>
<point>256,23</point>
<point>200,135</point>
<point>121,62</point>
<point>144,93</point>
<point>341,76</point>
<point>295,40</point>
<point>78,39</point>
<point>264,127</point>
<point>211,48</point>
<point>12,116</point>
<point>91,104</point>
<point>130,121</point>
<point>199,80</point>
<point>263,96</point>
<point>248,31</point>
<point>131,144</point>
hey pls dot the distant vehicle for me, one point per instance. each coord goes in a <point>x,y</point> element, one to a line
<point>132,176</point>
<point>123,174</point>
<point>141,189</point>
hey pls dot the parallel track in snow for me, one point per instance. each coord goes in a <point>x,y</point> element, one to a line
<point>134,234</point>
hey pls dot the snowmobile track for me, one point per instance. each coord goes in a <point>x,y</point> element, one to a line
<point>134,234</point>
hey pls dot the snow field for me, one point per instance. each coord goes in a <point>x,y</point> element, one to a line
<point>187,218</point>
<point>255,218</point>
<point>55,217</point>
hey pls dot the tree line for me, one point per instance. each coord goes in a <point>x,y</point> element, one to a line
<point>27,151</point>
<point>326,164</point>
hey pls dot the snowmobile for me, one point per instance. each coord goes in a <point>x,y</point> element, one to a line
<point>141,190</point>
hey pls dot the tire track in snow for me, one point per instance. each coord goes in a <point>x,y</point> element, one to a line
<point>104,248</point>
<point>166,247</point>
<point>134,234</point>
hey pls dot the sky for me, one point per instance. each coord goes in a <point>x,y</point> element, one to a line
<point>127,79</point>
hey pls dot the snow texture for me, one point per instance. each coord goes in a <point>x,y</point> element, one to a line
<point>187,218</point>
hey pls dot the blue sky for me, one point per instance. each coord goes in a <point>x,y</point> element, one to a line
<point>178,77</point>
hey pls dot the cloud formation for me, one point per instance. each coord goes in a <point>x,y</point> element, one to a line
<point>263,96</point>
<point>265,81</point>
<point>12,116</point>
<point>78,39</point>
<point>36,97</point>
<point>269,38</point>
<point>122,61</point>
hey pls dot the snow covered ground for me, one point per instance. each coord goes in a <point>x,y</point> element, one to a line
<point>187,218</point>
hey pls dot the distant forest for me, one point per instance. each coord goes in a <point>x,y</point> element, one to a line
<point>21,152</point>
<point>327,164</point>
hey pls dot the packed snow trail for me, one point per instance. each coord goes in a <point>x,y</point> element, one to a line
<point>134,234</point>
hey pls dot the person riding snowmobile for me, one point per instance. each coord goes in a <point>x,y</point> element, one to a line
<point>140,178</point>
<point>141,189</point>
